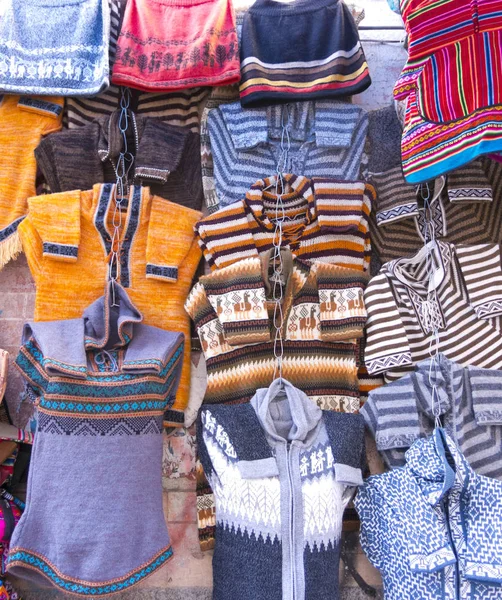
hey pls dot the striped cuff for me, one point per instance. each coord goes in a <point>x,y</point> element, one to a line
<point>65,252</point>
<point>164,273</point>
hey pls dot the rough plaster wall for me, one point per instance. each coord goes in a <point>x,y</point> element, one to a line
<point>188,575</point>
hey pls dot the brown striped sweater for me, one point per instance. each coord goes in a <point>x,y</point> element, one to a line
<point>327,220</point>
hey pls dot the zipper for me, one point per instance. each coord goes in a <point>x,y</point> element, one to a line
<point>452,543</point>
<point>291,523</point>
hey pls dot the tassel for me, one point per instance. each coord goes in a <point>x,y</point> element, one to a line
<point>10,249</point>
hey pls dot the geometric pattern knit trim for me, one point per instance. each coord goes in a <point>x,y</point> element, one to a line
<point>454,109</point>
<point>36,562</point>
<point>327,220</point>
<point>110,426</point>
<point>468,310</point>
<point>311,61</point>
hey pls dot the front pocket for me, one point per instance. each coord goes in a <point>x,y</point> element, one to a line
<point>461,78</point>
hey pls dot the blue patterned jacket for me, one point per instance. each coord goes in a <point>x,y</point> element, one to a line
<point>434,527</point>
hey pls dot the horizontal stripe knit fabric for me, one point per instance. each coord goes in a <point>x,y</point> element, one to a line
<point>470,407</point>
<point>325,139</point>
<point>451,83</point>
<point>328,221</point>
<point>301,50</point>
<point>43,60</point>
<point>468,310</point>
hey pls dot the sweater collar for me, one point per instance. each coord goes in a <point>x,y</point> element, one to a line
<point>154,141</point>
<point>287,414</point>
<point>305,121</point>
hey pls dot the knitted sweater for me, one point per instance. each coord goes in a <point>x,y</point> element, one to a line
<point>176,44</point>
<point>24,120</point>
<point>165,157</point>
<point>282,471</point>
<point>104,381</point>
<point>67,241</point>
<point>469,405</point>
<point>42,60</point>
<point>324,139</point>
<point>301,50</point>
<point>434,527</point>
<point>328,221</point>
<point>468,311</point>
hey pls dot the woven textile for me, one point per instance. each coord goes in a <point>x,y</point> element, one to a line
<point>104,381</point>
<point>328,221</point>
<point>67,241</point>
<point>42,60</point>
<point>24,121</point>
<point>176,44</point>
<point>324,139</point>
<point>283,472</point>
<point>467,313</point>
<point>451,82</point>
<point>470,407</point>
<point>301,50</point>
<point>434,527</point>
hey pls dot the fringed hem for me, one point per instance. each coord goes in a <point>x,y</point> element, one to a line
<point>10,249</point>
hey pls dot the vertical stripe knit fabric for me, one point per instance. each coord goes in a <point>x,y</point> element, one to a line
<point>301,50</point>
<point>451,83</point>
<point>42,60</point>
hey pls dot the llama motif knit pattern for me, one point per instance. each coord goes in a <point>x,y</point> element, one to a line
<point>468,310</point>
<point>434,527</point>
<point>104,382</point>
<point>166,158</point>
<point>176,44</point>
<point>325,139</point>
<point>301,50</point>
<point>68,56</point>
<point>24,121</point>
<point>67,240</point>
<point>283,472</point>
<point>470,407</point>
<point>327,221</point>
<point>451,84</point>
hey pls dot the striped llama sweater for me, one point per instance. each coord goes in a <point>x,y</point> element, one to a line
<point>301,50</point>
<point>468,310</point>
<point>325,139</point>
<point>328,221</point>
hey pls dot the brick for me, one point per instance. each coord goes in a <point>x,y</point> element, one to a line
<point>181,507</point>
<point>16,276</point>
<point>12,306</point>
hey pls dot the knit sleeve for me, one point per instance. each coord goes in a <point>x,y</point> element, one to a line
<point>56,220</point>
<point>482,274</point>
<point>47,164</point>
<point>30,363</point>
<point>387,344</point>
<point>170,239</point>
<point>341,303</point>
<point>483,386</point>
<point>224,158</point>
<point>369,505</point>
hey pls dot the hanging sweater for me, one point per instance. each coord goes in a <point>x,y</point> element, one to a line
<point>301,50</point>
<point>324,139</point>
<point>434,527</point>
<point>327,221</point>
<point>468,310</point>
<point>24,120</point>
<point>469,405</point>
<point>67,56</point>
<point>282,471</point>
<point>166,158</point>
<point>67,241</point>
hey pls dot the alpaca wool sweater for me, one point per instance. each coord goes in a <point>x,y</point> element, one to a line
<point>301,50</point>
<point>67,240</point>
<point>24,120</point>
<point>175,44</point>
<point>324,139</point>
<point>68,56</point>
<point>166,158</point>
<point>104,381</point>
<point>434,527</point>
<point>327,221</point>
<point>283,472</point>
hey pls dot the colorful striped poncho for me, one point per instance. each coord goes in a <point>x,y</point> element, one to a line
<point>452,85</point>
